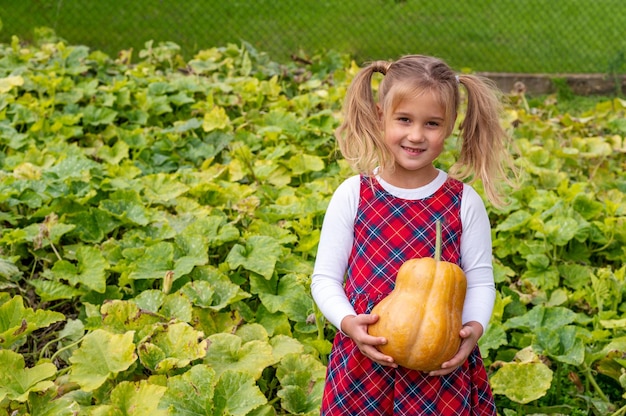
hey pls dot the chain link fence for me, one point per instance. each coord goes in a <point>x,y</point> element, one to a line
<point>532,36</point>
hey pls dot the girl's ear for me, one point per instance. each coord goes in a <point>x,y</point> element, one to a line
<point>380,112</point>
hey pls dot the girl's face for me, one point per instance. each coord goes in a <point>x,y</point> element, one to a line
<point>414,133</point>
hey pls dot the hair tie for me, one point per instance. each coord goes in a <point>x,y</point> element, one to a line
<point>457,79</point>
<point>382,67</point>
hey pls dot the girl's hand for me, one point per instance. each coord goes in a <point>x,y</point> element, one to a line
<point>470,333</point>
<point>356,328</point>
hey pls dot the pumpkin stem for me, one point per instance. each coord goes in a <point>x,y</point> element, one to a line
<point>438,240</point>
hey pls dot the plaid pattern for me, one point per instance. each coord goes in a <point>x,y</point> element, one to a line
<point>389,231</point>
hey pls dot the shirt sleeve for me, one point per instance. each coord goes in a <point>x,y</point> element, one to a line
<point>476,259</point>
<point>331,263</point>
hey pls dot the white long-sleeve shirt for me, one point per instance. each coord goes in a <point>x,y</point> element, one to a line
<point>327,285</point>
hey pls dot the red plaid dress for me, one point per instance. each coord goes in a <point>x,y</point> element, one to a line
<point>388,231</point>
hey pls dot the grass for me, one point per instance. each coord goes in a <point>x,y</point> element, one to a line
<point>529,36</point>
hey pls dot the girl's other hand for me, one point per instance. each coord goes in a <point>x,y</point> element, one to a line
<point>356,328</point>
<point>470,333</point>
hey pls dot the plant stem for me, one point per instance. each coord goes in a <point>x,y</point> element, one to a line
<point>319,323</point>
<point>60,350</point>
<point>595,385</point>
<point>438,240</point>
<point>559,371</point>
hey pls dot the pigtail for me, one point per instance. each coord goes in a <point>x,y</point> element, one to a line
<point>484,151</point>
<point>360,134</point>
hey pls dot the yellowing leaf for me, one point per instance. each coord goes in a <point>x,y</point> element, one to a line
<point>16,381</point>
<point>138,399</point>
<point>191,393</point>
<point>303,163</point>
<point>216,119</point>
<point>229,352</point>
<point>175,346</point>
<point>7,83</point>
<point>514,381</point>
<point>102,355</point>
<point>17,322</point>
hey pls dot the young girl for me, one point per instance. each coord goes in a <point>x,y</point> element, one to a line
<point>386,215</point>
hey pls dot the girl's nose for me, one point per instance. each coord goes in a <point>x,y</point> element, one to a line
<point>416,134</point>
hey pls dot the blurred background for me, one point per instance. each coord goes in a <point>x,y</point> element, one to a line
<point>529,36</point>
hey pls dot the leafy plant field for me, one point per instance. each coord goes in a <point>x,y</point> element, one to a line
<point>159,223</point>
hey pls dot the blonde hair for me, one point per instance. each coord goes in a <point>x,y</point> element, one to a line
<point>483,153</point>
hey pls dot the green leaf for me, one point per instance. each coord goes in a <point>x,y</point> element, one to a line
<point>560,230</point>
<point>150,300</point>
<point>563,344</point>
<point>275,323</point>
<point>89,272</point>
<point>544,278</point>
<point>300,370</point>
<point>156,261</point>
<point>283,345</point>
<point>127,206</point>
<point>303,163</point>
<point>177,306</point>
<point>259,255</point>
<point>8,269</point>
<point>114,155</point>
<point>494,338</point>
<point>49,232</point>
<point>97,116</point>
<point>193,249</point>
<point>200,293</point>
<point>515,221</point>
<point>74,166</point>
<point>540,316</point>
<point>17,381</point>
<point>289,296</point>
<point>222,291</point>
<point>191,393</point>
<point>49,290</point>
<point>298,401</point>
<point>162,188</point>
<point>587,206</point>
<point>102,355</point>
<point>575,276</point>
<point>17,322</point>
<point>216,230</point>
<point>236,394</point>
<point>302,381</point>
<point>252,332</point>
<point>92,224</point>
<point>49,404</point>
<point>228,352</point>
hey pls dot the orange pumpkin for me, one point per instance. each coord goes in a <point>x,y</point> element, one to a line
<point>421,317</point>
